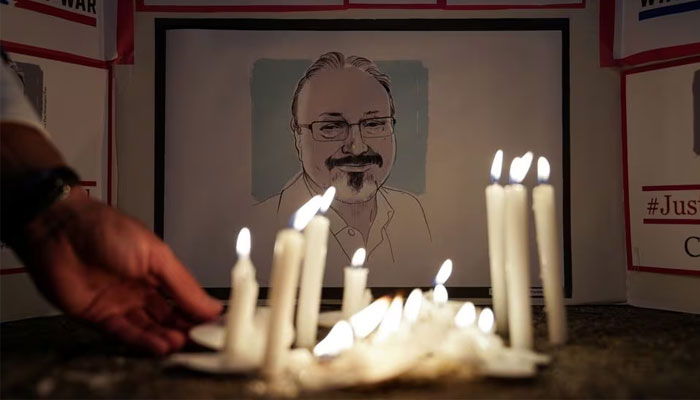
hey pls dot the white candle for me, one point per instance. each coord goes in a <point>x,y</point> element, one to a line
<point>466,316</point>
<point>444,272</point>
<point>316,239</point>
<point>368,319</point>
<point>517,256</point>
<point>339,339</point>
<point>440,296</point>
<point>391,321</point>
<point>244,296</point>
<point>354,284</point>
<point>411,310</point>
<point>366,298</point>
<point>495,225</point>
<point>550,259</point>
<point>440,312</point>
<point>287,255</point>
<point>485,322</point>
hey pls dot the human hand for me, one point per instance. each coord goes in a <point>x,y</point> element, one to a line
<point>95,263</point>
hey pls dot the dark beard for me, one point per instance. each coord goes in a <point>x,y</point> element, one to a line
<point>356,180</point>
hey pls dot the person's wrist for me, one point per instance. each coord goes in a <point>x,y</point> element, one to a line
<point>27,197</point>
<point>71,202</point>
<point>56,221</point>
<point>60,211</point>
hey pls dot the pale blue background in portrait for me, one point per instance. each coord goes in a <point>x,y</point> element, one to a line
<point>274,156</point>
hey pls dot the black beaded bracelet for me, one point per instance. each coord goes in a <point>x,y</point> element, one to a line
<point>24,198</point>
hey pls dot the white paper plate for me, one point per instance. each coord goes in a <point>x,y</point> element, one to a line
<point>212,334</point>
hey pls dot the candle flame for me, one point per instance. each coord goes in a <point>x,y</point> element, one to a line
<point>339,339</point>
<point>243,243</point>
<point>412,308</point>
<point>486,320</point>
<point>519,167</point>
<point>497,166</point>
<point>304,214</point>
<point>542,169</point>
<point>366,320</point>
<point>358,258</point>
<point>440,294</point>
<point>444,272</point>
<point>466,316</point>
<point>327,199</point>
<point>514,166</point>
<point>391,321</point>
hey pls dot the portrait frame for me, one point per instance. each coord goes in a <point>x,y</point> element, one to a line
<point>560,25</point>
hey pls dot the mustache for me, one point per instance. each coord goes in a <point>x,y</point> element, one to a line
<point>369,157</point>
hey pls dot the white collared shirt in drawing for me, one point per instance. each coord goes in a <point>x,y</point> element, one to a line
<point>398,245</point>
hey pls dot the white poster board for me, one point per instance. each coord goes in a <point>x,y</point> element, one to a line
<point>662,155</point>
<point>85,28</point>
<point>62,92</point>
<point>461,90</point>
<point>642,31</point>
<point>60,51</point>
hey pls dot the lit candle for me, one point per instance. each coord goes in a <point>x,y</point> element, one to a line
<point>444,272</point>
<point>354,284</point>
<point>241,306</point>
<point>366,298</point>
<point>440,313</point>
<point>366,320</point>
<point>316,239</point>
<point>391,321</point>
<point>339,339</point>
<point>496,235</point>
<point>466,316</point>
<point>287,254</point>
<point>485,322</point>
<point>517,256</point>
<point>440,296</point>
<point>548,248</point>
<point>411,310</point>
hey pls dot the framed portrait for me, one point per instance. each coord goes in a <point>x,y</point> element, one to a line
<point>401,116</point>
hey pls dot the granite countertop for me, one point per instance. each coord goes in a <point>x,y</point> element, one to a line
<point>614,351</point>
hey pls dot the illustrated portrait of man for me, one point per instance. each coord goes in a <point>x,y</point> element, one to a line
<point>343,124</point>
